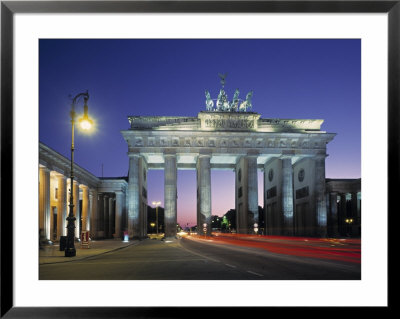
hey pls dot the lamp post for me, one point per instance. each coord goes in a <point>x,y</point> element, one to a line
<point>157,204</point>
<point>85,123</point>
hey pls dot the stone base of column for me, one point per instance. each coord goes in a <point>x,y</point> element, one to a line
<point>288,232</point>
<point>172,239</point>
<point>334,233</point>
<point>170,234</point>
<point>322,232</point>
<point>243,230</point>
<point>100,234</point>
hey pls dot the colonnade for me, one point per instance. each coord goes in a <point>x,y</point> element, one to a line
<point>54,194</point>
<point>293,205</point>
<point>344,213</point>
<point>296,200</point>
<point>110,222</point>
<point>97,209</point>
<point>137,194</point>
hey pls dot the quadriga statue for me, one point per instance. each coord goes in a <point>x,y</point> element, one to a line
<point>209,102</point>
<point>235,101</point>
<point>222,101</point>
<point>246,104</point>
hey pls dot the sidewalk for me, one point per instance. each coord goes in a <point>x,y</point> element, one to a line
<point>51,254</point>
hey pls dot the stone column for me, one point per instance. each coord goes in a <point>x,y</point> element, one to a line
<point>118,213</point>
<point>44,201</point>
<point>76,209</point>
<point>143,197</point>
<point>126,207</point>
<point>133,196</point>
<point>170,192</point>
<point>111,219</point>
<point>343,210</point>
<point>204,193</point>
<point>267,219</point>
<point>62,206</point>
<point>354,213</point>
<point>334,214</point>
<point>106,215</point>
<point>100,216</point>
<point>246,190</point>
<point>354,205</point>
<point>85,207</point>
<point>89,217</point>
<point>359,207</point>
<point>359,212</point>
<point>241,196</point>
<point>143,213</point>
<point>94,213</point>
<point>252,191</point>
<point>287,196</point>
<point>320,200</point>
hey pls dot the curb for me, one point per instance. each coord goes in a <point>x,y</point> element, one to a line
<point>87,257</point>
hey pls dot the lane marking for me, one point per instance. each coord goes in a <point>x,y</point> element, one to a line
<point>232,266</point>
<point>140,261</point>
<point>254,273</point>
<point>194,253</point>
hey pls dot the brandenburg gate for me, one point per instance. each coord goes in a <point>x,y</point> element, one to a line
<point>229,135</point>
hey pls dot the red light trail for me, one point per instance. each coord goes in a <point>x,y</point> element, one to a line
<point>346,250</point>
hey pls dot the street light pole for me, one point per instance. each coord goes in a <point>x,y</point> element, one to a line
<point>157,204</point>
<point>157,220</point>
<point>70,250</point>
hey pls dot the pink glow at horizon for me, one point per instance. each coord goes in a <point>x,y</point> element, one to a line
<point>222,186</point>
<point>222,190</point>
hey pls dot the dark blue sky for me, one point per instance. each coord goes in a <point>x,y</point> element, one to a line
<point>310,79</point>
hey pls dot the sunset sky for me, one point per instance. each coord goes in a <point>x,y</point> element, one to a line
<point>296,79</point>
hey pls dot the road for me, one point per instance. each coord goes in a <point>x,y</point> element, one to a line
<point>213,258</point>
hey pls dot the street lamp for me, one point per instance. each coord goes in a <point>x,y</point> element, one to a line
<point>157,204</point>
<point>86,124</point>
<point>256,228</point>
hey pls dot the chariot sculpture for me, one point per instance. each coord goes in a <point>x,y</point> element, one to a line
<point>222,104</point>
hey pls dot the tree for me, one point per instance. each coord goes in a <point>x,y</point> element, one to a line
<point>224,224</point>
<point>231,217</point>
<point>216,221</point>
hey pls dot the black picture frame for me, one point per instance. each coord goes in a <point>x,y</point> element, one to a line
<point>9,8</point>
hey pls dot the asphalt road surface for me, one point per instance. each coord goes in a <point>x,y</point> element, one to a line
<point>201,259</point>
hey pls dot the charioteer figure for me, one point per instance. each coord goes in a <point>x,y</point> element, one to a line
<point>223,105</point>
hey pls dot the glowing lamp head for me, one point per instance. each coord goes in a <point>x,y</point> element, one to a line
<point>85,123</point>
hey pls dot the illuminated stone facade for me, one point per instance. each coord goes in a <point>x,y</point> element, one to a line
<point>99,203</point>
<point>344,207</point>
<point>243,142</point>
<point>298,200</point>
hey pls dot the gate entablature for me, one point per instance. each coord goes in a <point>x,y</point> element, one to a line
<point>225,121</point>
<point>226,135</point>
